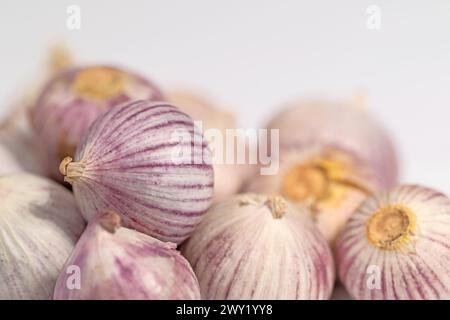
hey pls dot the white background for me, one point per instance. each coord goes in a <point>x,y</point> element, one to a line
<point>255,55</point>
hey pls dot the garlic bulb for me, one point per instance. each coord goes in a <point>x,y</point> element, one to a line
<point>258,247</point>
<point>73,99</point>
<point>18,149</point>
<point>341,126</point>
<point>397,246</point>
<point>331,183</point>
<point>111,262</point>
<point>146,161</point>
<point>200,108</point>
<point>228,178</point>
<point>39,225</point>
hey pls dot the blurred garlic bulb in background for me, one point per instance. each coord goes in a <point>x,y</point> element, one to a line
<point>228,178</point>
<point>39,225</point>
<point>341,125</point>
<point>332,155</point>
<point>19,150</point>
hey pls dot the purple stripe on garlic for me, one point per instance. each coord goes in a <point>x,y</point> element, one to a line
<point>112,262</point>
<point>72,100</point>
<point>258,247</point>
<point>132,162</point>
<point>397,246</point>
<point>39,225</point>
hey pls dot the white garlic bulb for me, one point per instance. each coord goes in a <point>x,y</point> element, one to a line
<point>340,125</point>
<point>19,150</point>
<point>397,246</point>
<point>39,225</point>
<point>258,247</point>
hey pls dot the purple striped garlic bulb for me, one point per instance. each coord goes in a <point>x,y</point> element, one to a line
<point>228,178</point>
<point>258,247</point>
<point>73,99</point>
<point>39,226</point>
<point>342,126</point>
<point>397,246</point>
<point>331,183</point>
<point>115,263</point>
<point>148,162</point>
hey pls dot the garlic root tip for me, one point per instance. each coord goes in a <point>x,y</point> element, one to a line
<point>391,227</point>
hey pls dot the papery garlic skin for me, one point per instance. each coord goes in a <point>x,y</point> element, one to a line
<point>39,225</point>
<point>19,151</point>
<point>331,183</point>
<point>132,161</point>
<point>339,125</point>
<point>8,161</point>
<point>228,178</point>
<point>258,247</point>
<point>117,263</point>
<point>397,246</point>
<point>73,99</point>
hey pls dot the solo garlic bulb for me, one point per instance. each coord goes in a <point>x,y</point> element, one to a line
<point>331,183</point>
<point>397,246</point>
<point>258,247</point>
<point>73,99</point>
<point>342,126</point>
<point>112,262</point>
<point>228,178</point>
<point>147,162</point>
<point>39,225</point>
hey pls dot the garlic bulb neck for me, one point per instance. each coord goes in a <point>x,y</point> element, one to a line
<point>277,206</point>
<point>71,170</point>
<point>390,227</point>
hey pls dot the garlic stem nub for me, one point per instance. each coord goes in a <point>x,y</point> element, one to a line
<point>277,205</point>
<point>71,170</point>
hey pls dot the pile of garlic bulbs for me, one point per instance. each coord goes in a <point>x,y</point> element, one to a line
<point>110,189</point>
